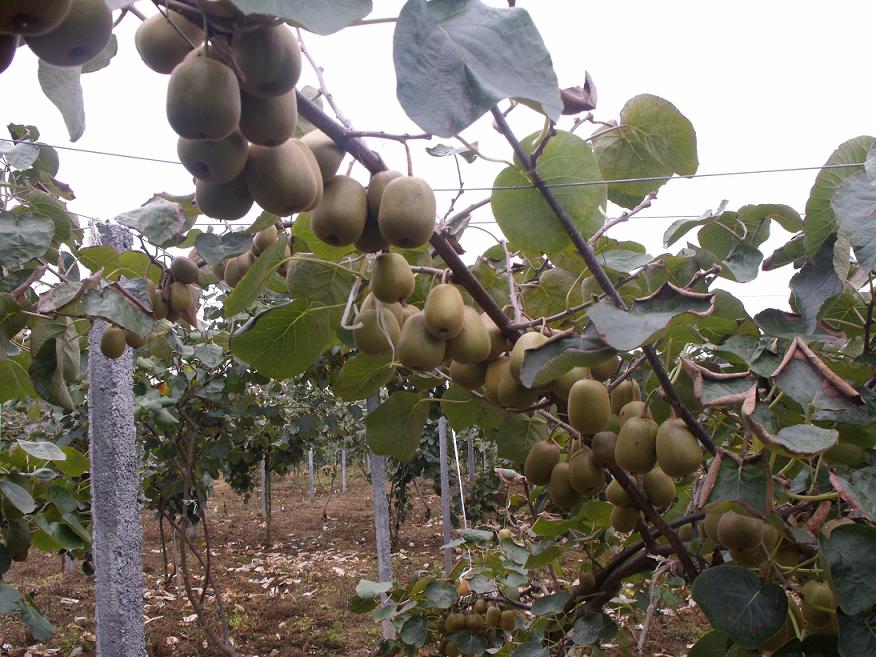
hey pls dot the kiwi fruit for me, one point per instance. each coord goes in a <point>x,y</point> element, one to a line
<point>635,449</point>
<point>747,557</point>
<point>264,239</point>
<point>472,344</point>
<point>180,297</point>
<point>495,368</point>
<point>326,151</point>
<point>226,201</point>
<point>563,383</point>
<point>560,489</point>
<point>282,179</point>
<point>508,620</point>
<point>80,36</point>
<point>509,391</point>
<point>633,409</point>
<point>443,311</point>
<point>616,494</point>
<point>584,475</point>
<point>454,622</point>
<point>603,444</point>
<point>135,341</point>
<point>493,616</point>
<point>268,121</point>
<point>407,212</point>
<point>184,270</point>
<point>586,581</point>
<point>371,241</point>
<point>819,603</point>
<point>214,160</point>
<point>588,406</point>
<point>27,17</point>
<point>391,279</point>
<point>526,341</point>
<point>160,309</point>
<point>659,487</point>
<point>231,272</point>
<point>269,60</point>
<point>541,459</point>
<point>371,337</point>
<point>112,342</point>
<point>160,44</point>
<point>8,46</point>
<point>339,219</point>
<point>624,518</point>
<point>498,341</point>
<point>678,451</point>
<point>401,312</point>
<point>475,623</point>
<point>605,369</point>
<point>738,531</point>
<point>480,606</point>
<point>710,526</point>
<point>376,185</point>
<point>625,392</point>
<point>203,99</point>
<point>417,348</point>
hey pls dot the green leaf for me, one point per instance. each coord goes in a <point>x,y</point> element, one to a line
<point>463,409</point>
<point>804,439</point>
<point>554,291</point>
<point>786,254</point>
<point>17,496</point>
<point>253,282</point>
<point>475,535</point>
<point>362,376</point>
<point>627,329</point>
<point>78,528</point>
<point>45,542</point>
<point>850,557</point>
<point>556,357</point>
<point>551,604</point>
<point>369,589</point>
<point>653,139</point>
<point>516,435</point>
<point>469,643</point>
<point>42,449</point>
<point>22,237</point>
<point>76,465</point>
<point>414,631</point>
<point>160,221</point>
<point>40,628</point>
<point>854,204</point>
<point>815,283</point>
<point>9,598</point>
<point>440,595</point>
<point>15,384</point>
<point>283,341</point>
<point>714,644</point>
<point>61,498</point>
<point>321,282</point>
<point>738,602</point>
<point>62,86</point>
<point>820,219</point>
<point>216,248</point>
<point>359,605</point>
<point>525,217</point>
<point>456,60</point>
<point>46,205</point>
<point>748,483</point>
<point>857,634</point>
<point>531,649</point>
<point>325,17</point>
<point>21,155</point>
<point>587,629</point>
<point>806,379</point>
<point>210,355</point>
<point>396,427</point>
<point>782,324</point>
<point>108,303</point>
<point>97,257</point>
<point>858,490</point>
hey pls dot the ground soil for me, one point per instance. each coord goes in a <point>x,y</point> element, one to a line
<point>285,600</point>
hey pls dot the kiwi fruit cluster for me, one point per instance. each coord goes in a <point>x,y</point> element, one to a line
<point>231,270</point>
<point>477,617</point>
<point>59,32</point>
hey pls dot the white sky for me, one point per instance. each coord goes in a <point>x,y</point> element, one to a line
<point>766,85</point>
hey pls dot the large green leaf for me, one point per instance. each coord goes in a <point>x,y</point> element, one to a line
<point>61,85</point>
<point>456,60</point>
<point>557,356</point>
<point>253,282</point>
<point>628,329</point>
<point>324,17</point>
<point>653,140</point>
<point>9,598</point>
<point>362,376</point>
<point>525,217</point>
<point>322,282</point>
<point>714,644</point>
<point>815,283</point>
<point>807,379</point>
<point>463,409</point>
<point>14,381</point>
<point>42,449</point>
<point>555,290</point>
<point>22,237</point>
<point>159,220</point>
<point>857,634</point>
<point>858,490</point>
<point>282,342</point>
<point>782,324</point>
<point>854,204</point>
<point>46,205</point>
<point>108,303</point>
<point>215,248</point>
<point>850,557</point>
<point>748,483</point>
<point>820,219</point>
<point>40,627</point>
<point>17,496</point>
<point>395,428</point>
<point>738,602</point>
<point>517,434</point>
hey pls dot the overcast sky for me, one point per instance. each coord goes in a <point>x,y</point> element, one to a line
<point>766,85</point>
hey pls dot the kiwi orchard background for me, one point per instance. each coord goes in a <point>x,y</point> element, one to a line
<point>766,85</point>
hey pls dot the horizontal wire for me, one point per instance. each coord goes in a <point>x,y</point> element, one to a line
<point>582,183</point>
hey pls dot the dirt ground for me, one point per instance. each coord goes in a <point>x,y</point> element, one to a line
<point>288,600</point>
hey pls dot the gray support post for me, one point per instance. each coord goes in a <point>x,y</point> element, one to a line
<point>344,469</point>
<point>117,536</point>
<point>263,488</point>
<point>310,472</point>
<point>470,464</point>
<point>381,519</point>
<point>445,492</point>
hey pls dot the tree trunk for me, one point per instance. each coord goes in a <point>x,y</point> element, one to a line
<point>445,492</point>
<point>343,469</point>
<point>117,536</point>
<point>470,465</point>
<point>267,494</point>
<point>381,520</point>
<point>310,473</point>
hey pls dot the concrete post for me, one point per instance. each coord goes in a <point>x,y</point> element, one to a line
<point>445,492</point>
<point>310,472</point>
<point>381,519</point>
<point>343,469</point>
